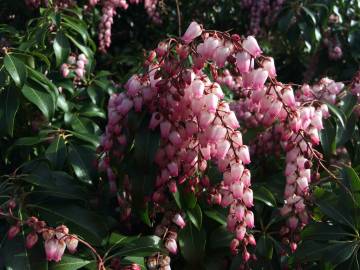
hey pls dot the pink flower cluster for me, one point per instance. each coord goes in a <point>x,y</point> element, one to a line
<point>75,64</point>
<point>109,11</point>
<point>56,3</point>
<point>195,122</point>
<point>265,10</point>
<point>325,90</point>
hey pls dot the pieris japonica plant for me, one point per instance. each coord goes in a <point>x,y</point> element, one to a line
<point>193,154</point>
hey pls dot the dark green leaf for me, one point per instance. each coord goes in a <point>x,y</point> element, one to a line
<point>265,247</point>
<point>143,246</point>
<point>42,100</point>
<point>82,161</point>
<point>216,215</point>
<point>61,48</point>
<point>68,263</point>
<point>9,104</point>
<point>16,68</point>
<point>56,152</point>
<point>264,195</point>
<point>192,243</point>
<point>195,216</point>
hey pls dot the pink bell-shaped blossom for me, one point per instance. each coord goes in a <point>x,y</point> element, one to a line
<point>171,245</point>
<point>178,220</point>
<point>31,240</point>
<point>269,65</point>
<point>248,197</point>
<point>243,60</point>
<point>251,46</point>
<point>194,30</point>
<point>71,243</point>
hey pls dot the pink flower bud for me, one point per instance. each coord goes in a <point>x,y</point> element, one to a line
<point>171,245</point>
<point>173,169</point>
<point>71,243</point>
<point>165,129</point>
<point>239,212</point>
<point>236,171</point>
<point>194,30</point>
<point>251,46</point>
<point>13,231</point>
<point>220,55</point>
<point>251,240</point>
<point>197,88</point>
<point>240,232</point>
<point>302,183</point>
<point>293,222</point>
<point>155,120</point>
<point>249,219</point>
<point>259,78</point>
<point>269,66</point>
<point>288,97</point>
<point>246,256</point>
<point>80,72</point>
<point>248,197</point>
<point>60,248</point>
<point>175,138</point>
<point>243,60</point>
<point>206,118</point>
<point>51,248</point>
<point>31,240</point>
<point>208,48</point>
<point>178,220</point>
<point>222,148</point>
<point>244,154</point>
<point>172,187</point>
<point>237,189</point>
<point>211,102</point>
<point>285,210</point>
<point>234,244</point>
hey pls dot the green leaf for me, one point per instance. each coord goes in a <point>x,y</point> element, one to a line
<point>42,100</point>
<point>195,216</point>
<point>146,144</point>
<point>310,15</point>
<point>56,152</point>
<point>141,247</point>
<point>29,141</point>
<point>92,111</point>
<point>216,215</point>
<point>81,159</point>
<point>16,69</point>
<point>327,138</point>
<point>69,263</point>
<point>310,251</point>
<point>9,105</point>
<point>61,48</point>
<point>340,252</point>
<point>323,231</point>
<point>220,238</point>
<point>192,243</point>
<point>264,195</point>
<point>265,247</point>
<point>339,114</point>
<point>87,137</point>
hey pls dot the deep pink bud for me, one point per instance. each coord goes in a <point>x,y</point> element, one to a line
<point>31,239</point>
<point>240,232</point>
<point>173,169</point>
<point>234,244</point>
<point>246,255</point>
<point>165,129</point>
<point>251,240</point>
<point>249,219</point>
<point>13,231</point>
<point>175,138</point>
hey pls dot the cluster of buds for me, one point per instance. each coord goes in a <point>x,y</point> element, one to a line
<point>75,64</point>
<point>158,262</point>
<point>168,228</point>
<point>325,90</point>
<point>261,10</point>
<point>196,124</point>
<point>109,11</point>
<point>355,86</point>
<point>56,239</point>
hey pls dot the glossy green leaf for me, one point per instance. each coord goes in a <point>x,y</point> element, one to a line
<point>69,263</point>
<point>56,152</point>
<point>264,195</point>
<point>265,247</point>
<point>192,243</point>
<point>9,105</point>
<point>143,246</point>
<point>216,215</point>
<point>82,160</point>
<point>61,47</point>
<point>42,100</point>
<point>195,216</point>
<point>16,69</point>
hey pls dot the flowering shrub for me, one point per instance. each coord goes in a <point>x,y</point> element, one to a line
<point>201,153</point>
